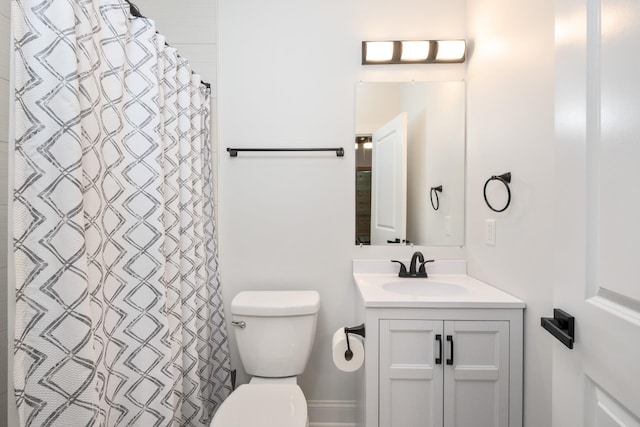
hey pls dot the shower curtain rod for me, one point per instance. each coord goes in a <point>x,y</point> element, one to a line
<point>135,12</point>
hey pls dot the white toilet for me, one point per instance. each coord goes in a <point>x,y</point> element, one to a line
<point>275,331</point>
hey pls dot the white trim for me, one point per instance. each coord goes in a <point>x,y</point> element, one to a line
<point>332,413</point>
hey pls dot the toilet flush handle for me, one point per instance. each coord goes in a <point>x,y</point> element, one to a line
<point>242,324</point>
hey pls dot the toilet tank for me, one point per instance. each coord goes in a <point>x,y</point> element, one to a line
<point>278,332</point>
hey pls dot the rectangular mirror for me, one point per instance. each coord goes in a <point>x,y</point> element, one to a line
<point>410,163</point>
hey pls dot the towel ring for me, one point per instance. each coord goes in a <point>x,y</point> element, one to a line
<point>505,178</point>
<point>435,190</point>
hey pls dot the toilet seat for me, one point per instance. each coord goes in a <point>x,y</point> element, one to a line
<point>264,405</point>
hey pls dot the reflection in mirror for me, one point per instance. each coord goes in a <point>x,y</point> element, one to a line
<point>410,139</point>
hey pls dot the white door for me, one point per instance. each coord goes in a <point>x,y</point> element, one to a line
<point>410,376</point>
<point>597,212</point>
<point>389,182</point>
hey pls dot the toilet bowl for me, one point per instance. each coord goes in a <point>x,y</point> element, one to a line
<point>263,405</point>
<point>274,331</point>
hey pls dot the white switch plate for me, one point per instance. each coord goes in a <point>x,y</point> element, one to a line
<point>490,232</point>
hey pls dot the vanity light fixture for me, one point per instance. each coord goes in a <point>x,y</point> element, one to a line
<point>451,50</point>
<point>379,52</point>
<point>413,52</point>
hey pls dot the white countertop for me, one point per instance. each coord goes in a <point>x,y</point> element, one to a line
<point>467,292</point>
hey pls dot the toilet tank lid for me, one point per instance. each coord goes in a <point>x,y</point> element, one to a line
<point>275,303</point>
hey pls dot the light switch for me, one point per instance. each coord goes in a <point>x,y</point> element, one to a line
<point>490,232</point>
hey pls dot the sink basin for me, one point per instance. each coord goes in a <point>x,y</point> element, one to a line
<point>424,287</point>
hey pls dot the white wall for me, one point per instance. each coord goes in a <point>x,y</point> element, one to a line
<point>511,128</point>
<point>286,77</point>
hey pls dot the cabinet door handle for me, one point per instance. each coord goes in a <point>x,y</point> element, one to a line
<point>439,358</point>
<point>450,359</point>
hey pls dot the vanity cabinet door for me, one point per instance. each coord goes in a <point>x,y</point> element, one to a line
<point>467,387</point>
<point>411,384</point>
<point>476,384</point>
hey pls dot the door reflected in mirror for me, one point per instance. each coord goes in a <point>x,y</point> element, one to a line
<point>410,163</point>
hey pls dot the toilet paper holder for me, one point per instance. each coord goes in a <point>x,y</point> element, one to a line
<point>358,330</point>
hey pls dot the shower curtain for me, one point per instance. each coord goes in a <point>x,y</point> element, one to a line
<point>119,317</point>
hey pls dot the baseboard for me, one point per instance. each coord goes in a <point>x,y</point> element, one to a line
<point>332,413</point>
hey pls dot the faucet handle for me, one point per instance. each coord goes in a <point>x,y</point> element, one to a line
<point>403,268</point>
<point>422,266</point>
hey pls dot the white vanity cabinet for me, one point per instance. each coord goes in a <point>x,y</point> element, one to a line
<point>435,373</point>
<point>445,351</point>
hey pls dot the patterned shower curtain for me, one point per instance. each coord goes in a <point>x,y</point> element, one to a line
<point>119,314</point>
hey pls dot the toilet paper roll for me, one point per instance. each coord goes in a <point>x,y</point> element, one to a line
<point>339,347</point>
